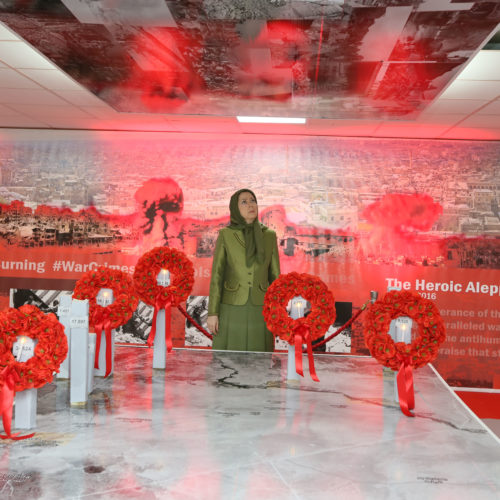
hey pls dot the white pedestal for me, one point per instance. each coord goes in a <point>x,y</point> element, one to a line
<point>298,305</point>
<point>63,313</point>
<point>79,351</point>
<point>25,409</point>
<point>159,346</point>
<point>25,401</point>
<point>105,298</point>
<point>101,371</point>
<point>291,369</point>
<point>90,364</point>
<point>400,331</point>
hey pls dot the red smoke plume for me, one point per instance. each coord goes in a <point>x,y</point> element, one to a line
<point>404,212</point>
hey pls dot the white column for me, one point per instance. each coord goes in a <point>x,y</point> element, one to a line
<point>159,346</point>
<point>399,331</point>
<point>105,298</point>
<point>63,312</point>
<point>79,351</point>
<point>90,364</point>
<point>402,333</point>
<point>25,401</point>
<point>297,308</point>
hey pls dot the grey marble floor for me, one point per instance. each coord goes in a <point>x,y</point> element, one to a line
<point>225,425</point>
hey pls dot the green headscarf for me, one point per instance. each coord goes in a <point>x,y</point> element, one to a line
<point>254,239</point>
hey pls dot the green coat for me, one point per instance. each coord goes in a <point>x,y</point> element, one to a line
<point>232,281</point>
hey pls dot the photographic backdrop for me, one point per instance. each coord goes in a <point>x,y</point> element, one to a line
<point>362,214</point>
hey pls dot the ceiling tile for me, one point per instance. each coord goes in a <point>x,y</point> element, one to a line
<point>472,89</point>
<point>7,111</point>
<point>493,108</point>
<point>6,33</point>
<point>53,79</point>
<point>342,127</point>
<point>31,96</point>
<point>482,121</point>
<point>440,119</point>
<point>472,133</point>
<point>21,122</point>
<point>72,123</point>
<point>271,128</point>
<point>47,112</point>
<point>200,119</point>
<point>410,129</point>
<point>484,66</point>
<point>82,97</point>
<point>454,106</point>
<point>135,125</point>
<point>18,54</point>
<point>102,112</point>
<point>11,79</point>
<point>133,121</point>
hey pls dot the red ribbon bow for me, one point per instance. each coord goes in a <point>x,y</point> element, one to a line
<point>406,393</point>
<point>302,335</point>
<point>162,303</point>
<point>106,325</point>
<point>7,393</point>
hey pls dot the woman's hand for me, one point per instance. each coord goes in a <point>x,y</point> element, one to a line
<point>213,324</point>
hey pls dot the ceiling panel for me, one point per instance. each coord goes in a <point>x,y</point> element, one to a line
<point>472,89</point>
<point>411,130</point>
<point>103,112</point>
<point>81,98</point>
<point>473,133</point>
<point>12,79</point>
<point>493,108</point>
<point>53,79</point>
<point>444,106</point>
<point>440,119</point>
<point>484,66</point>
<point>482,121</point>
<point>7,111</point>
<point>30,96</point>
<point>21,122</point>
<point>353,67</point>
<point>18,55</point>
<point>7,34</point>
<point>48,112</point>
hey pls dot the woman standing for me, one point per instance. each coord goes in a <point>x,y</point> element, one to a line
<point>246,262</point>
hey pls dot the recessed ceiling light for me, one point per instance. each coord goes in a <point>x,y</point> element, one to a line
<point>269,119</point>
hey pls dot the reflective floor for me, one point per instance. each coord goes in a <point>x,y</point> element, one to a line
<point>226,426</point>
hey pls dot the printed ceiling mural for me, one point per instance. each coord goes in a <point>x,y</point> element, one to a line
<point>319,59</point>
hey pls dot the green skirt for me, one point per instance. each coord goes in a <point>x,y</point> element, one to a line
<point>242,328</point>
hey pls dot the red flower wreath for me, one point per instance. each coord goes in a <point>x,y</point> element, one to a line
<point>113,315</point>
<point>163,297</point>
<point>398,355</point>
<point>148,268</point>
<point>301,330</point>
<point>124,303</point>
<point>423,311</point>
<point>49,352</point>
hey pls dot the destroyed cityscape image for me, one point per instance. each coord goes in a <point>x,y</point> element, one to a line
<point>320,214</point>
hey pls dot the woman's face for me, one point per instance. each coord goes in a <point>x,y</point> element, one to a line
<point>247,206</point>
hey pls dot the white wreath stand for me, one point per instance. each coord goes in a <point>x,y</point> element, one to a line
<point>159,346</point>
<point>25,401</point>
